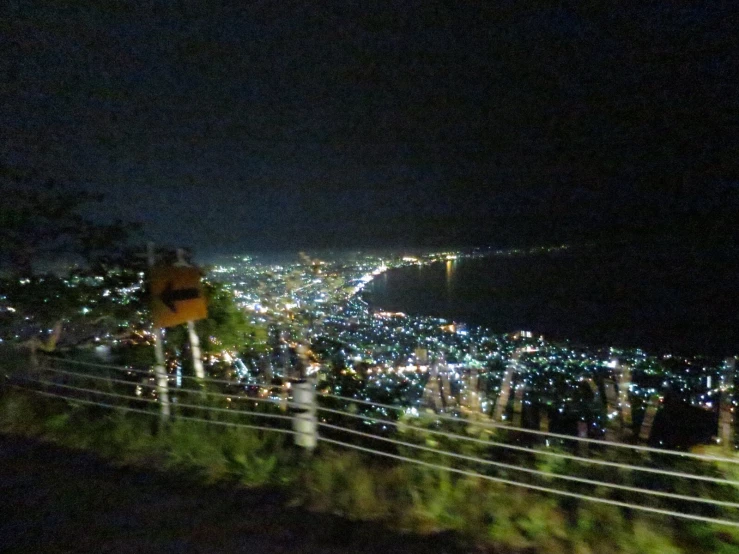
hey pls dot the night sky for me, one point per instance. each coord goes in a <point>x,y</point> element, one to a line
<point>267,125</point>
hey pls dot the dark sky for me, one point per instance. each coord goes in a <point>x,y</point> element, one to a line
<point>235,125</point>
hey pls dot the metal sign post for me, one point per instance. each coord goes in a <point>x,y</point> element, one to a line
<point>159,371</point>
<point>197,360</point>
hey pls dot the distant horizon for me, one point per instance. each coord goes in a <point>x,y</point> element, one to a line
<point>205,257</point>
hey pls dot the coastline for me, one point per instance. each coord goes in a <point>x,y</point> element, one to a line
<point>583,317</point>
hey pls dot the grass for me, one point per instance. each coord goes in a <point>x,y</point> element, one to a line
<point>403,496</point>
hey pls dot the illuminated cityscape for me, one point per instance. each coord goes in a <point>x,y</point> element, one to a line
<point>318,323</point>
<point>396,357</point>
<point>399,277</point>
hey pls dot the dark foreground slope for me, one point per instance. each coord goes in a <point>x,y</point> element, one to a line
<point>54,499</point>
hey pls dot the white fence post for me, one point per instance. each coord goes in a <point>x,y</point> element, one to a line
<point>304,422</point>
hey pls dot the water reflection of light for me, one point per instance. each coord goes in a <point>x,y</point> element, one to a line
<point>449,273</point>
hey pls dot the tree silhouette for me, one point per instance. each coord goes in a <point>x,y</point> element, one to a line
<point>41,219</point>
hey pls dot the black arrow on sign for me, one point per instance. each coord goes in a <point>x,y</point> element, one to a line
<point>169,296</point>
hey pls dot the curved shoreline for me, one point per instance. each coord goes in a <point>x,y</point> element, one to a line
<point>632,325</point>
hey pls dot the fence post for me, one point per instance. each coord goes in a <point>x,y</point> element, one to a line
<point>304,422</point>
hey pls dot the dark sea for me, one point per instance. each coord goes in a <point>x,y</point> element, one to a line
<point>661,298</point>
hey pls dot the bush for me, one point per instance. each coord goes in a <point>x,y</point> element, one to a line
<point>406,496</point>
<point>19,415</point>
<point>341,483</point>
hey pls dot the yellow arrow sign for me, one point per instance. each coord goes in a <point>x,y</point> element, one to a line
<point>177,295</point>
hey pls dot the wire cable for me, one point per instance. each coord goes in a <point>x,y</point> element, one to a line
<point>535,471</point>
<point>579,459</point>
<point>550,435</point>
<point>399,457</point>
<point>149,412</point>
<point>146,372</point>
<point>155,386</point>
<point>94,391</point>
<point>503,445</point>
<point>175,404</point>
<point>537,487</point>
